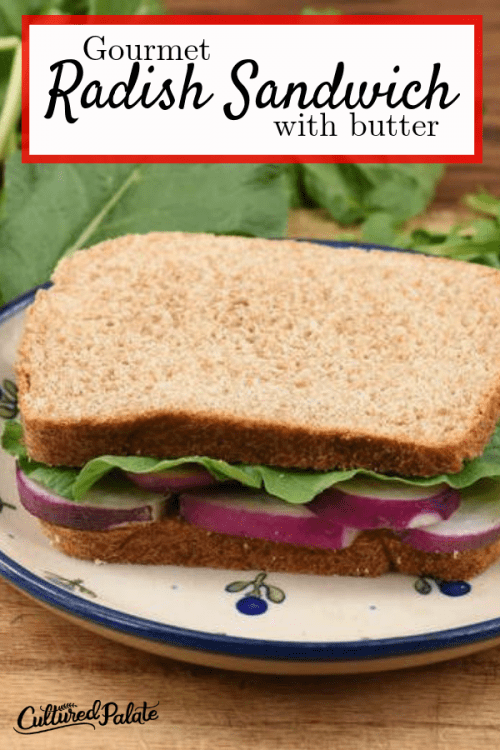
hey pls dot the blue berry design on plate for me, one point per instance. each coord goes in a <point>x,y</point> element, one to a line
<point>8,399</point>
<point>75,584</point>
<point>449,588</point>
<point>254,603</point>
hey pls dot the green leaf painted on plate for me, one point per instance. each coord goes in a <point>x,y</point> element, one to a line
<point>274,594</point>
<point>237,586</point>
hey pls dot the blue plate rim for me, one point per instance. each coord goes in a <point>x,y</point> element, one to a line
<point>149,630</point>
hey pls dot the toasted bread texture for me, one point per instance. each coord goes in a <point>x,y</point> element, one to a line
<point>278,352</point>
<point>173,541</point>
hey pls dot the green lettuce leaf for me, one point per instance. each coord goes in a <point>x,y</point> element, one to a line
<point>293,486</point>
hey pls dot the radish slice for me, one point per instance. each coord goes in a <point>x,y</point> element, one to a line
<point>377,504</point>
<point>475,523</point>
<point>189,476</point>
<point>106,506</point>
<point>257,515</point>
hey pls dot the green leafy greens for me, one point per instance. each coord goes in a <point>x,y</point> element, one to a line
<point>293,486</point>
<point>476,240</point>
<point>353,192</point>
<point>53,209</point>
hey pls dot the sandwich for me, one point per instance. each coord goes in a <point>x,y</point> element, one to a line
<point>187,399</point>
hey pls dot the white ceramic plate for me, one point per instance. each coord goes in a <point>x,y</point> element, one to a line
<point>253,621</point>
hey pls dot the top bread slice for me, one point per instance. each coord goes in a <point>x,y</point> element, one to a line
<point>279,352</point>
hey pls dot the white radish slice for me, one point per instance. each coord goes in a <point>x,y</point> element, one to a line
<point>189,476</point>
<point>254,514</point>
<point>475,523</point>
<point>368,503</point>
<point>106,505</point>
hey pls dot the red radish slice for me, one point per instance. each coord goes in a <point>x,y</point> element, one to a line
<point>475,523</point>
<point>255,514</point>
<point>367,503</point>
<point>106,506</point>
<point>189,476</point>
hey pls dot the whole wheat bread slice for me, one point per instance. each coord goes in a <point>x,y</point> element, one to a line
<point>261,351</point>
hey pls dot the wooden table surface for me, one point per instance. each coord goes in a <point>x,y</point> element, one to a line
<point>452,705</point>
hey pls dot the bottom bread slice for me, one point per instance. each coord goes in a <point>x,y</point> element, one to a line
<point>172,541</point>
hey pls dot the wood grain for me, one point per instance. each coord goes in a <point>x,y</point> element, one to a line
<point>45,659</point>
<point>449,706</point>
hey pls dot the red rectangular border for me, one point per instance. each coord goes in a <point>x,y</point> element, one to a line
<point>474,20</point>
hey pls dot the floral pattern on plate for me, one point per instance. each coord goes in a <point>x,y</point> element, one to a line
<point>254,602</point>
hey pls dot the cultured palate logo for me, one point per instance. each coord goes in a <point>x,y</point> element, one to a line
<point>52,716</point>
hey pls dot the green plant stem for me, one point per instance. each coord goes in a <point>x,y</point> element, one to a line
<point>8,42</point>
<point>91,228</point>
<point>12,104</point>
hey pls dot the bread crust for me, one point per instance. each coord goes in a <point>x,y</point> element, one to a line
<point>173,541</point>
<point>177,434</point>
